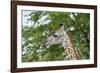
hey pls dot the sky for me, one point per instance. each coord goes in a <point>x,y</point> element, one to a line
<point>25,17</point>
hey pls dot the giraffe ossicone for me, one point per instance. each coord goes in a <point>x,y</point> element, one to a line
<point>61,37</point>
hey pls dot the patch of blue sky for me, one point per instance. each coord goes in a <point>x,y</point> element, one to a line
<point>25,18</point>
<point>26,22</point>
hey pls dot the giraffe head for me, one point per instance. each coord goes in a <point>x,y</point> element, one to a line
<point>58,37</point>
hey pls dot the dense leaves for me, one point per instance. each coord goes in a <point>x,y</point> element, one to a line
<point>44,23</point>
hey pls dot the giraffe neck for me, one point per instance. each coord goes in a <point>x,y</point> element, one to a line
<point>69,50</point>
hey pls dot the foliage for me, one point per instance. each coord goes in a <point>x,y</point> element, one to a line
<point>76,25</point>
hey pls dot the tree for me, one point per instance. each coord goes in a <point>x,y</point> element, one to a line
<point>44,23</point>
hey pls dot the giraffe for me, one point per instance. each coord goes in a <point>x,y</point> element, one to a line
<point>61,37</point>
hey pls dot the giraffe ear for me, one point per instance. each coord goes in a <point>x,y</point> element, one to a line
<point>61,26</point>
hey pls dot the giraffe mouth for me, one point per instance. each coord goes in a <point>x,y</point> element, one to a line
<point>45,44</point>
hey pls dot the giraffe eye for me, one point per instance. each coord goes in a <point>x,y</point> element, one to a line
<point>55,35</point>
